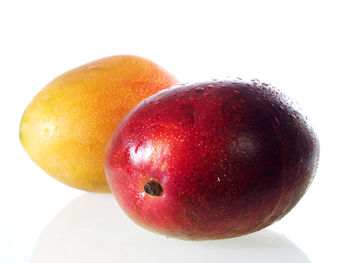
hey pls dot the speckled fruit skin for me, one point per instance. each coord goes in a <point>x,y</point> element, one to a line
<point>231,158</point>
<point>67,125</point>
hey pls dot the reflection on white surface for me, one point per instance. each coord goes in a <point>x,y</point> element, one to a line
<point>92,228</point>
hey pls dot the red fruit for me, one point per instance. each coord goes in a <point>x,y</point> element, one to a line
<point>211,160</point>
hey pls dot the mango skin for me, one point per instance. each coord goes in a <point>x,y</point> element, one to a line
<point>67,125</point>
<point>223,158</point>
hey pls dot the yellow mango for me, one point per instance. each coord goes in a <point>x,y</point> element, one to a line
<point>67,125</point>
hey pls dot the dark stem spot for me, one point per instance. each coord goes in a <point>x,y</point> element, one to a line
<point>154,188</point>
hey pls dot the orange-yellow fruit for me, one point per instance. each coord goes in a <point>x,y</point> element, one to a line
<point>66,127</point>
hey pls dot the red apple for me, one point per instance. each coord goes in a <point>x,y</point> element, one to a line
<point>211,160</point>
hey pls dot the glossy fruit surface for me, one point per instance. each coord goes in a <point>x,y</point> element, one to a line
<point>211,160</point>
<point>66,127</point>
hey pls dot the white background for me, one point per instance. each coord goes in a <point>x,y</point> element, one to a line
<point>302,47</point>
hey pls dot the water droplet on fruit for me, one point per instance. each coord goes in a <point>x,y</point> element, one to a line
<point>210,86</point>
<point>92,67</point>
<point>190,99</point>
<point>237,118</point>
<point>185,115</point>
<point>199,90</point>
<point>236,92</point>
<point>50,129</point>
<point>307,171</point>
